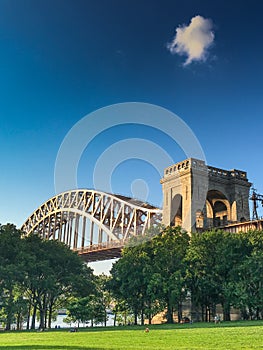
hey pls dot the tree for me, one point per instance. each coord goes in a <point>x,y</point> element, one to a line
<point>169,251</point>
<point>86,309</point>
<point>77,310</point>
<point>200,258</point>
<point>131,275</point>
<point>52,271</point>
<point>213,260</point>
<point>150,274</point>
<point>104,294</point>
<point>11,272</point>
<point>249,288</point>
<point>20,307</point>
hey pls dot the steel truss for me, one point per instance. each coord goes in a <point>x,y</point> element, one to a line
<point>90,221</point>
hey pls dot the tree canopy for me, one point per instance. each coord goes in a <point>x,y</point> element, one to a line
<point>42,272</point>
<point>156,272</point>
<point>213,267</point>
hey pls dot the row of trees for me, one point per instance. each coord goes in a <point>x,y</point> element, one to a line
<point>37,277</point>
<point>215,267</point>
<point>155,273</point>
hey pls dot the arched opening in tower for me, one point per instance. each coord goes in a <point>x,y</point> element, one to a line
<point>217,209</point>
<point>176,211</point>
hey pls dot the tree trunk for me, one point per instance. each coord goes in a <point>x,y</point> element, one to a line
<point>195,311</point>
<point>149,313</point>
<point>207,314</point>
<point>41,318</point>
<point>226,312</point>
<point>50,312</point>
<point>28,315</point>
<point>169,315</point>
<point>9,310</point>
<point>180,312</point>
<point>18,320</point>
<point>257,314</point>
<point>45,318</point>
<point>203,313</point>
<point>8,322</point>
<point>213,310</point>
<point>135,318</point>
<point>250,313</point>
<point>105,319</point>
<point>142,318</point>
<point>42,312</point>
<point>33,321</point>
<point>150,318</point>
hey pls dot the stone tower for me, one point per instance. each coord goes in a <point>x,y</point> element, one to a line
<point>197,196</point>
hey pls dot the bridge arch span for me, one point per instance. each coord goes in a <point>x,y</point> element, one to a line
<point>96,224</point>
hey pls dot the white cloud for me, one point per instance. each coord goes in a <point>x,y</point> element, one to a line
<point>193,40</point>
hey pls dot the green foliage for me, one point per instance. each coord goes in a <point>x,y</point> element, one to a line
<point>155,272</point>
<point>151,273</point>
<point>52,270</point>
<point>11,273</point>
<point>214,259</point>
<point>215,267</point>
<point>169,249</point>
<point>37,274</point>
<point>104,295</point>
<point>249,287</point>
<point>86,309</point>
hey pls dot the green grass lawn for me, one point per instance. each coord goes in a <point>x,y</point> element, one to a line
<point>225,336</point>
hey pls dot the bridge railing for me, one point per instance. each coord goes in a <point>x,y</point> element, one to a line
<point>100,246</point>
<point>244,226</point>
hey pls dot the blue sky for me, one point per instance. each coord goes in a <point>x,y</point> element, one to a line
<point>61,60</point>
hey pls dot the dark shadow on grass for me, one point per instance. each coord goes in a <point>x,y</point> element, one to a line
<point>175,326</point>
<point>47,347</point>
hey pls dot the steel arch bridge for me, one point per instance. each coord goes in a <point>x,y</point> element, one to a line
<point>95,224</point>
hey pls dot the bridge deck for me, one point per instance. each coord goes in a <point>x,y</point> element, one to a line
<point>99,252</point>
<point>244,226</point>
<point>112,250</point>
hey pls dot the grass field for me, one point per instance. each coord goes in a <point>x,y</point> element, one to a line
<point>225,336</point>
